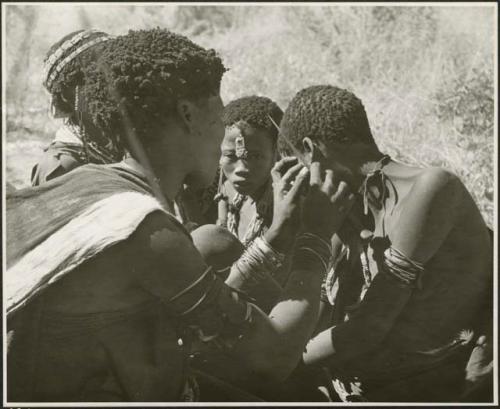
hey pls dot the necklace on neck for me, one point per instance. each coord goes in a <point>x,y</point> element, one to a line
<point>375,178</point>
<point>257,224</point>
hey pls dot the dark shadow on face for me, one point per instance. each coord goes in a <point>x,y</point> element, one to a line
<point>207,136</point>
<point>248,174</point>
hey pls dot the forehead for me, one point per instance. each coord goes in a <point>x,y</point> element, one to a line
<point>255,138</point>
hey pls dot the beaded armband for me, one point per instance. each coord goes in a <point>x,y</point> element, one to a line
<point>218,312</point>
<point>404,271</point>
<point>258,261</point>
<point>310,245</point>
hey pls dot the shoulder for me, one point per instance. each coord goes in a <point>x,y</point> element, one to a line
<point>55,161</point>
<point>436,182</point>
<point>435,177</point>
<point>161,233</point>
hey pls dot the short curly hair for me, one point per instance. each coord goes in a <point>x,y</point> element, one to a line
<point>324,113</point>
<point>255,110</point>
<point>143,73</point>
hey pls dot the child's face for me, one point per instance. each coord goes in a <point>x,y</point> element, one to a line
<point>248,155</point>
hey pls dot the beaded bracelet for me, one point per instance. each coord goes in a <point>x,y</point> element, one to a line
<point>407,272</point>
<point>316,246</point>
<point>258,261</point>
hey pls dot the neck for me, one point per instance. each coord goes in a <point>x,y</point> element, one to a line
<point>169,167</point>
<point>361,164</point>
<point>170,174</point>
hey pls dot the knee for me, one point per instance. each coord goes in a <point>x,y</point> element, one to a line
<point>218,247</point>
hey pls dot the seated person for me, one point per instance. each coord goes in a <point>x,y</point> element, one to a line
<point>105,293</point>
<point>411,295</point>
<point>78,141</point>
<point>245,194</point>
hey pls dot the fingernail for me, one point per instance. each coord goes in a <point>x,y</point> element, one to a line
<point>303,171</point>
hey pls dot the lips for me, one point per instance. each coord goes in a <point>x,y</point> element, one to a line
<point>242,185</point>
<point>241,182</point>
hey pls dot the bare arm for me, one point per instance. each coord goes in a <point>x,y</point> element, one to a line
<point>424,224</point>
<point>271,345</point>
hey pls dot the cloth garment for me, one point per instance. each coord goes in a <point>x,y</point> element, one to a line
<point>133,352</point>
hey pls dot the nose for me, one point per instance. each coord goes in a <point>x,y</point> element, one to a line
<point>241,169</point>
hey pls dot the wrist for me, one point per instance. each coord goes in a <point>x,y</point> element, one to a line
<point>277,238</point>
<point>259,261</point>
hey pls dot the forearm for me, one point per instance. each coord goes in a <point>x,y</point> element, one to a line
<point>366,329</point>
<point>274,345</point>
<point>295,317</point>
<point>257,264</point>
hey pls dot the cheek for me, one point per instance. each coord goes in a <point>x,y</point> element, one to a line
<point>227,168</point>
<point>262,169</point>
<point>267,163</point>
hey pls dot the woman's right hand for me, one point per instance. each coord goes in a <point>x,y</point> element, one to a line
<point>326,204</point>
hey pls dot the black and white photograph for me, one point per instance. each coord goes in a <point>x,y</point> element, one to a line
<point>249,204</point>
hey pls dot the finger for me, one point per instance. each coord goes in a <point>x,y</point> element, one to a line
<point>344,205</point>
<point>349,204</point>
<point>342,192</point>
<point>300,180</point>
<point>291,174</point>
<point>340,198</point>
<point>315,170</point>
<point>329,183</point>
<point>281,166</point>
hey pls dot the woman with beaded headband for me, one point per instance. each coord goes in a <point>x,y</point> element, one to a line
<point>105,291</point>
<point>77,142</point>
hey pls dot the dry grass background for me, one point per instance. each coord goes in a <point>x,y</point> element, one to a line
<point>425,74</point>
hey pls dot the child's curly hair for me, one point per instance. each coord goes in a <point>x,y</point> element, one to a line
<point>254,110</point>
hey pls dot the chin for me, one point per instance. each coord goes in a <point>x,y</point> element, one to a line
<point>246,190</point>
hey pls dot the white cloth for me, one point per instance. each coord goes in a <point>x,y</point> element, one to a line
<point>103,224</point>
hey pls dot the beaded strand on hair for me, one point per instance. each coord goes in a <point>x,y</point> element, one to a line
<point>81,127</point>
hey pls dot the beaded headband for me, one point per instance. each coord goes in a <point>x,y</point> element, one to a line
<point>240,145</point>
<point>54,65</point>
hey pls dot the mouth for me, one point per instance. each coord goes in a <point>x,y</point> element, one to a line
<point>241,183</point>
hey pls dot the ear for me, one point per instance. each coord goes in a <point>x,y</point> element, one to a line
<point>309,150</point>
<point>185,110</point>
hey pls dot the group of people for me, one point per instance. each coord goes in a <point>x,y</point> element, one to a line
<point>172,248</point>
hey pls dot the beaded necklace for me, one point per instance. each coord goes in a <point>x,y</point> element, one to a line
<point>257,225</point>
<point>375,178</point>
